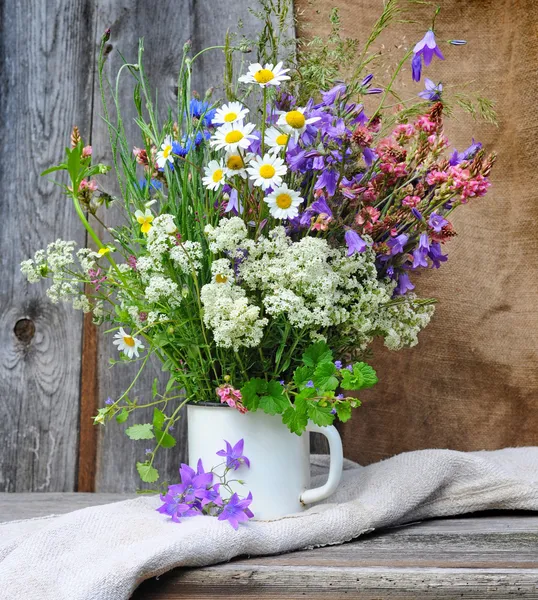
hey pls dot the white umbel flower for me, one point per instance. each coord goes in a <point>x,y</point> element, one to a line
<point>294,121</point>
<point>214,175</point>
<point>232,136</point>
<point>230,113</point>
<point>276,140</point>
<point>267,171</point>
<point>165,153</point>
<point>264,76</point>
<point>127,344</point>
<point>283,202</point>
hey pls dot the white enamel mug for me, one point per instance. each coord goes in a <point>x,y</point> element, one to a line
<point>279,474</point>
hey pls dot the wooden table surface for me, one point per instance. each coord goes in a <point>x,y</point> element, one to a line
<point>486,556</point>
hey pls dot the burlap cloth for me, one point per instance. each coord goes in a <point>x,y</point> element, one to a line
<point>104,552</point>
<point>472,382</point>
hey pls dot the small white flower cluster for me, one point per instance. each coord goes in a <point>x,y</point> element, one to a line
<point>309,284</point>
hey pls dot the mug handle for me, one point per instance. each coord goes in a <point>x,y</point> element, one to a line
<point>336,465</point>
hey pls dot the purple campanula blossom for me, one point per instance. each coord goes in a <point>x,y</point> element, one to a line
<point>193,482</point>
<point>436,255</point>
<point>327,180</point>
<point>424,242</point>
<point>321,207</point>
<point>427,48</point>
<point>354,242</point>
<point>416,67</point>
<point>404,285</point>
<point>397,244</point>
<point>297,159</point>
<point>318,163</point>
<point>338,365</point>
<point>369,156</point>
<point>432,92</point>
<point>175,506</point>
<point>234,456</point>
<point>390,272</point>
<point>419,258</point>
<point>234,204</point>
<point>367,80</point>
<point>467,154</point>
<point>365,86</point>
<point>417,213</point>
<point>109,401</point>
<point>333,94</point>
<point>237,511</point>
<point>437,222</point>
<point>211,495</point>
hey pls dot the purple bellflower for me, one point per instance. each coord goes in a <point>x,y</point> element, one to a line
<point>234,455</point>
<point>404,285</point>
<point>233,203</point>
<point>397,244</point>
<point>436,255</point>
<point>467,154</point>
<point>354,242</point>
<point>432,92</point>
<point>237,511</point>
<point>425,50</point>
<point>437,222</point>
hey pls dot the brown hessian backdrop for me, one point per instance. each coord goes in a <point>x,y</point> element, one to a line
<point>472,382</point>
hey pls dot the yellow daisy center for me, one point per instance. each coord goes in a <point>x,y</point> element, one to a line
<point>128,340</point>
<point>235,162</point>
<point>217,175</point>
<point>283,201</point>
<point>264,76</point>
<point>281,139</point>
<point>267,171</point>
<point>221,278</point>
<point>295,119</point>
<point>166,151</point>
<point>233,137</point>
<point>231,116</point>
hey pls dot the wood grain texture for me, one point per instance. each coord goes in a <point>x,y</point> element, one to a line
<point>46,80</point>
<point>165,32</point>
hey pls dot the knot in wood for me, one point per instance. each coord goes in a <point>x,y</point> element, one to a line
<point>24,330</point>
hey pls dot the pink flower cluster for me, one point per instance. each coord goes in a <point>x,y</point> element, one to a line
<point>230,396</point>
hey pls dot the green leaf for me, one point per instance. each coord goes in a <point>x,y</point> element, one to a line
<point>140,432</point>
<point>122,416</point>
<point>302,375</point>
<point>158,419</point>
<point>343,410</point>
<point>251,391</point>
<point>147,473</point>
<point>316,353</point>
<point>320,415</point>
<point>324,378</point>
<point>295,420</point>
<point>274,401</point>
<point>154,389</point>
<point>363,376</point>
<point>53,169</point>
<point>165,439</point>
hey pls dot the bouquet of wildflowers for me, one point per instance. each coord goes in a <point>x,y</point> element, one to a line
<point>268,237</point>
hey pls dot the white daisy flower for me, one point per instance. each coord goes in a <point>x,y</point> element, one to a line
<point>230,113</point>
<point>232,136</point>
<point>235,164</point>
<point>165,153</point>
<point>294,121</point>
<point>214,175</point>
<point>276,140</point>
<point>283,202</point>
<point>267,171</point>
<point>127,344</point>
<point>264,76</point>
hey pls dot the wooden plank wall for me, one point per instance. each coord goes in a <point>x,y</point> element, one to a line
<point>53,363</point>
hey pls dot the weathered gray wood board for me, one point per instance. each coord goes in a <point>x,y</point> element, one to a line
<point>46,84</point>
<point>47,61</point>
<point>478,557</point>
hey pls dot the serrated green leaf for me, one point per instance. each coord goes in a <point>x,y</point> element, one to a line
<point>316,353</point>
<point>343,410</point>
<point>122,416</point>
<point>302,375</point>
<point>165,439</point>
<point>324,378</point>
<point>320,415</point>
<point>140,432</point>
<point>296,420</point>
<point>363,376</point>
<point>251,392</point>
<point>147,473</point>
<point>158,419</point>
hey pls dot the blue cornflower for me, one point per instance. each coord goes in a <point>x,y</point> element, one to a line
<point>201,110</point>
<point>432,92</point>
